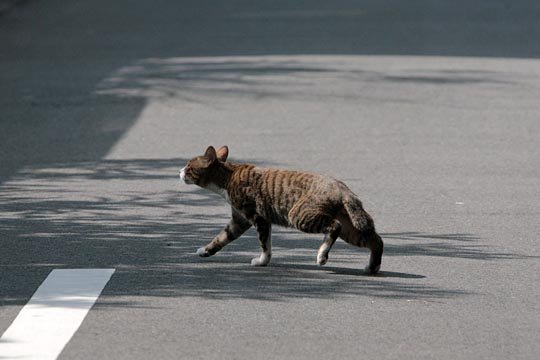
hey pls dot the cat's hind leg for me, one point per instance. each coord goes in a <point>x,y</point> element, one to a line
<point>367,238</point>
<point>236,227</point>
<point>331,234</point>
<point>375,244</point>
<point>309,216</point>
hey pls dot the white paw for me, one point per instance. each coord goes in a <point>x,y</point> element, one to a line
<point>262,260</point>
<point>321,259</point>
<point>202,252</point>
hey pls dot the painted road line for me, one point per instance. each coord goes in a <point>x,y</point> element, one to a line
<point>51,317</point>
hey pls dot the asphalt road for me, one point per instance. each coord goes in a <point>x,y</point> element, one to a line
<point>428,110</point>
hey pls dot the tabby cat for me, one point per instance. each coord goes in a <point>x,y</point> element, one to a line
<point>261,197</point>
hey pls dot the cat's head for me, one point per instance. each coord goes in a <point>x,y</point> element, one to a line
<point>203,170</point>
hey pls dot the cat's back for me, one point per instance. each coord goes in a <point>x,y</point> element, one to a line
<point>275,191</point>
<point>281,188</point>
<point>273,183</point>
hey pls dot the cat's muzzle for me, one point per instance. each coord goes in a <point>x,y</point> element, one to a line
<point>184,177</point>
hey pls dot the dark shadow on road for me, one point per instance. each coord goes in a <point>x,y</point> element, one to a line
<point>204,81</point>
<point>62,205</point>
<point>464,246</point>
<point>55,55</point>
<point>150,234</point>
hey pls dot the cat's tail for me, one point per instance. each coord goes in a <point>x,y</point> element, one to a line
<point>365,234</point>
<point>360,219</point>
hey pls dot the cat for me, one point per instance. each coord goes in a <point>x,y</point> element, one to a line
<point>261,197</point>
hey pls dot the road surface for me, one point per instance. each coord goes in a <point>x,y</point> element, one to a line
<point>428,111</point>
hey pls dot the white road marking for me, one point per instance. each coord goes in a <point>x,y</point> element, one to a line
<point>54,313</point>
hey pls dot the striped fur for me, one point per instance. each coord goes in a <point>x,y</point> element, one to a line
<point>261,197</point>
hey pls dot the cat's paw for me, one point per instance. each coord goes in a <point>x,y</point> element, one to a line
<point>322,259</point>
<point>202,252</point>
<point>260,261</point>
<point>372,271</point>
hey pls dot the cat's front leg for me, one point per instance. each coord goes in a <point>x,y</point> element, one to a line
<point>264,229</point>
<point>236,227</point>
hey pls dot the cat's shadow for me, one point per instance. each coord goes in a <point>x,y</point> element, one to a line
<point>350,271</point>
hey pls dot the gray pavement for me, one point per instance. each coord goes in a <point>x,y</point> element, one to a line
<point>429,112</point>
<point>7,5</point>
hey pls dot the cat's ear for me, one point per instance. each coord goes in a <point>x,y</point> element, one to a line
<point>222,153</point>
<point>210,154</point>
